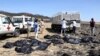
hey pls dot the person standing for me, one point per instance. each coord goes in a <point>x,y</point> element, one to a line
<point>92,26</point>
<point>64,26</point>
<point>74,27</point>
<point>36,28</point>
<point>42,26</point>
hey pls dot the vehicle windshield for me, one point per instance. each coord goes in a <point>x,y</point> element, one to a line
<point>6,20</point>
<point>17,20</point>
<point>28,19</point>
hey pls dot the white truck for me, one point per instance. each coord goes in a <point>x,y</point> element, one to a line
<point>56,20</point>
<point>23,22</point>
<point>7,27</point>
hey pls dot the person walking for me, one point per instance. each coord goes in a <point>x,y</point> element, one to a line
<point>74,27</point>
<point>92,26</point>
<point>36,28</point>
<point>64,26</point>
<point>42,26</point>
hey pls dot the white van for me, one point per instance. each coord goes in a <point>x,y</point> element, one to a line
<point>22,21</point>
<point>7,27</point>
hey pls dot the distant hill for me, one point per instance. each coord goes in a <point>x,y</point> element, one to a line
<point>87,22</point>
<point>24,13</point>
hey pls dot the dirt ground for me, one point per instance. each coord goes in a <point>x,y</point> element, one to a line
<point>51,50</point>
<point>11,52</point>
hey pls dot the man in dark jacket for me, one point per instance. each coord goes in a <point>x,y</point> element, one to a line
<point>92,26</point>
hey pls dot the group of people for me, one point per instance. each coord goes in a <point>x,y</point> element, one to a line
<point>64,26</point>
<point>38,27</point>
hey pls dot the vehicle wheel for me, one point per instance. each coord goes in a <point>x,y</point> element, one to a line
<point>16,33</point>
<point>52,27</point>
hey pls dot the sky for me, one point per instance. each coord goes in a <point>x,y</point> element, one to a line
<point>86,8</point>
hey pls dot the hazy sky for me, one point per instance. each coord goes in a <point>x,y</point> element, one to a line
<point>87,8</point>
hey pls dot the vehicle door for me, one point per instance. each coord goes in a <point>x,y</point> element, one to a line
<point>18,22</point>
<point>1,26</point>
<point>7,26</point>
<point>29,22</point>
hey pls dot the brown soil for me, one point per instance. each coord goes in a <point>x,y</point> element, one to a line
<point>58,50</point>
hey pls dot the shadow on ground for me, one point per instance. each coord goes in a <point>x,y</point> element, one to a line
<point>5,37</point>
<point>52,31</point>
<point>30,37</point>
<point>57,31</point>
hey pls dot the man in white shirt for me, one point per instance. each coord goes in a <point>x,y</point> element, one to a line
<point>74,26</point>
<point>64,26</point>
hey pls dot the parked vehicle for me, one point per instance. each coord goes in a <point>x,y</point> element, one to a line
<point>7,27</point>
<point>23,22</point>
